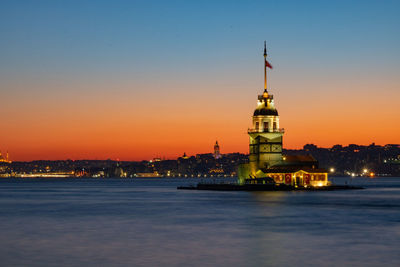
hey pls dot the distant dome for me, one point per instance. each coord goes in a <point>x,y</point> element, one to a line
<point>266,112</point>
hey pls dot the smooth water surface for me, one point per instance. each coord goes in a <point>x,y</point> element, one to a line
<point>147,222</point>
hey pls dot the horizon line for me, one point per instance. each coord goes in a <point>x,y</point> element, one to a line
<point>164,158</point>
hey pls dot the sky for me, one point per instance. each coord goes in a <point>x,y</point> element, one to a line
<point>134,80</point>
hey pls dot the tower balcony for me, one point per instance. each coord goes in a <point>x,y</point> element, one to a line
<point>278,130</point>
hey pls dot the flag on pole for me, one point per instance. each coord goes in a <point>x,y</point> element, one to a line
<point>267,64</point>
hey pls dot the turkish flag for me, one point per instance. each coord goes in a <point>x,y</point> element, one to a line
<point>288,178</point>
<point>267,65</point>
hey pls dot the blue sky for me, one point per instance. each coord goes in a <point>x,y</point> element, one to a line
<point>103,36</point>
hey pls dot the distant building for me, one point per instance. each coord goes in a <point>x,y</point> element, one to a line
<point>119,172</point>
<point>217,153</point>
<point>184,156</point>
<point>266,161</point>
<point>6,159</point>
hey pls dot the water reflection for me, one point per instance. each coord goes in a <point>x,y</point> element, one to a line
<point>150,223</point>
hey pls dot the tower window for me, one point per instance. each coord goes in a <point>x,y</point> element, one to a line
<point>274,125</point>
<point>265,126</point>
<point>257,125</point>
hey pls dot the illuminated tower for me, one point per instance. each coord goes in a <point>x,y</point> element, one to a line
<point>265,135</point>
<point>217,153</point>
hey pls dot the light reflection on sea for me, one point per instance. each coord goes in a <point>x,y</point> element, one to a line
<point>147,222</point>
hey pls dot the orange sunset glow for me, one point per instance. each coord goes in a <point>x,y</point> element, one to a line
<point>128,126</point>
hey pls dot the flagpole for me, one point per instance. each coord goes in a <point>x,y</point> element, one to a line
<point>265,65</point>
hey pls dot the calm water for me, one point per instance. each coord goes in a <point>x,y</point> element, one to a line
<point>147,222</point>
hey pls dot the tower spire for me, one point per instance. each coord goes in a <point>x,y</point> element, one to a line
<point>265,66</point>
<point>265,48</point>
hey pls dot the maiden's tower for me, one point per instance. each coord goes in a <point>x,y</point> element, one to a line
<point>267,164</point>
<point>268,168</point>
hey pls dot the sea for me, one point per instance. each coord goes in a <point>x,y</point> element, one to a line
<point>148,222</point>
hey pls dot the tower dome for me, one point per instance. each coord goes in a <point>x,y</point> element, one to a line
<point>265,112</point>
<point>265,105</point>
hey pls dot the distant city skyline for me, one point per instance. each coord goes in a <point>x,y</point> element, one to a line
<point>138,80</point>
